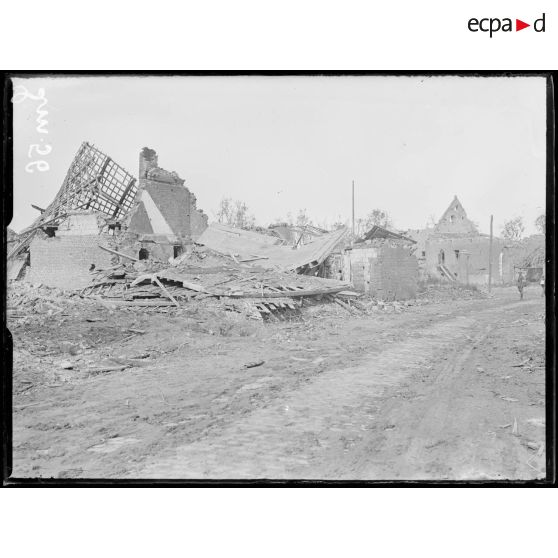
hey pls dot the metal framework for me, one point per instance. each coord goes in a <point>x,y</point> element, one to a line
<point>93,181</point>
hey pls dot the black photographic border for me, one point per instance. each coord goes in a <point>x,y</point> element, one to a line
<point>6,91</point>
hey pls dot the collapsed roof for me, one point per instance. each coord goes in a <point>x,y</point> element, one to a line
<point>295,234</point>
<point>93,182</point>
<point>251,246</point>
<point>379,232</point>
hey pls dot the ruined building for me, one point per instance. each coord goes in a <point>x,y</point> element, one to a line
<point>457,251</point>
<point>382,264</point>
<point>66,258</point>
<point>164,218</point>
<point>60,247</point>
<point>454,250</point>
<point>454,222</point>
<point>99,206</point>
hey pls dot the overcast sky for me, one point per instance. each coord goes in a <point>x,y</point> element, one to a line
<point>281,144</point>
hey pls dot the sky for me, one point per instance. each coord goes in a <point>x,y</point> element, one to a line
<point>282,144</point>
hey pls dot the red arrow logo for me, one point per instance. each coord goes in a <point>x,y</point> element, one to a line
<point>519,25</point>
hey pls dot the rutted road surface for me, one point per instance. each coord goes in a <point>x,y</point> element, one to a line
<point>451,390</point>
<point>436,399</point>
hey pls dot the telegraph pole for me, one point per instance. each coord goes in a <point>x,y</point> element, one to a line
<point>490,256</point>
<point>353,205</point>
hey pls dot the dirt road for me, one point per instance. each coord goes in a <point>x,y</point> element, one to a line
<point>451,390</point>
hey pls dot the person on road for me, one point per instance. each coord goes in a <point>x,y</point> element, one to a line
<point>520,285</point>
<point>542,285</point>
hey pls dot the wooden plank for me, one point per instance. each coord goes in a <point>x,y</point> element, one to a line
<point>343,304</point>
<point>123,197</point>
<point>297,293</point>
<point>141,279</point>
<point>262,308</point>
<point>161,302</point>
<point>165,290</point>
<point>118,253</point>
<point>254,258</point>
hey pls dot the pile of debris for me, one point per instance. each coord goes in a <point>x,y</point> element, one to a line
<point>202,273</point>
<point>444,292</point>
<point>25,299</point>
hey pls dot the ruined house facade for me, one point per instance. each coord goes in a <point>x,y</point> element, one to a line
<point>384,267</point>
<point>165,217</point>
<point>455,250</point>
<point>466,258</point>
<point>100,205</point>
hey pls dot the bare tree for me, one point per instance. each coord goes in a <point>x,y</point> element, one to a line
<point>302,218</point>
<point>235,214</point>
<point>513,229</point>
<point>431,223</point>
<point>540,223</point>
<point>377,217</point>
<point>359,226</point>
<point>225,211</point>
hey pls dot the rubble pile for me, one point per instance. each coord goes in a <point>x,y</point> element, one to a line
<point>200,274</point>
<point>29,301</point>
<point>450,291</point>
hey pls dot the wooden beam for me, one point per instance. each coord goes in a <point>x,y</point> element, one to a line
<point>128,188</point>
<point>287,294</point>
<point>118,253</point>
<point>163,288</point>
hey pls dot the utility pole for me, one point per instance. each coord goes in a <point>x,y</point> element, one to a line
<point>490,256</point>
<point>353,208</point>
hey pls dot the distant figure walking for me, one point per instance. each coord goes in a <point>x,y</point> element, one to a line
<point>520,285</point>
<point>542,285</point>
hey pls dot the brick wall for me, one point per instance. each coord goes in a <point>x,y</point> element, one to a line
<point>475,250</point>
<point>386,273</point>
<point>82,223</point>
<point>64,262</point>
<point>198,222</point>
<point>176,204</point>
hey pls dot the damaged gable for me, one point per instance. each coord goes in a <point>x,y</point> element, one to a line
<point>163,204</point>
<point>455,220</point>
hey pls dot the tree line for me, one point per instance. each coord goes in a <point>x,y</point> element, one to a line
<point>236,213</point>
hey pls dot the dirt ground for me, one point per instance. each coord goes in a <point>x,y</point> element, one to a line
<point>445,390</point>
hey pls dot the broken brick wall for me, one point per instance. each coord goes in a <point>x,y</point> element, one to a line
<point>198,219</point>
<point>475,249</point>
<point>164,205</point>
<point>385,272</point>
<point>154,247</point>
<point>85,223</point>
<point>64,261</point>
<point>338,266</point>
